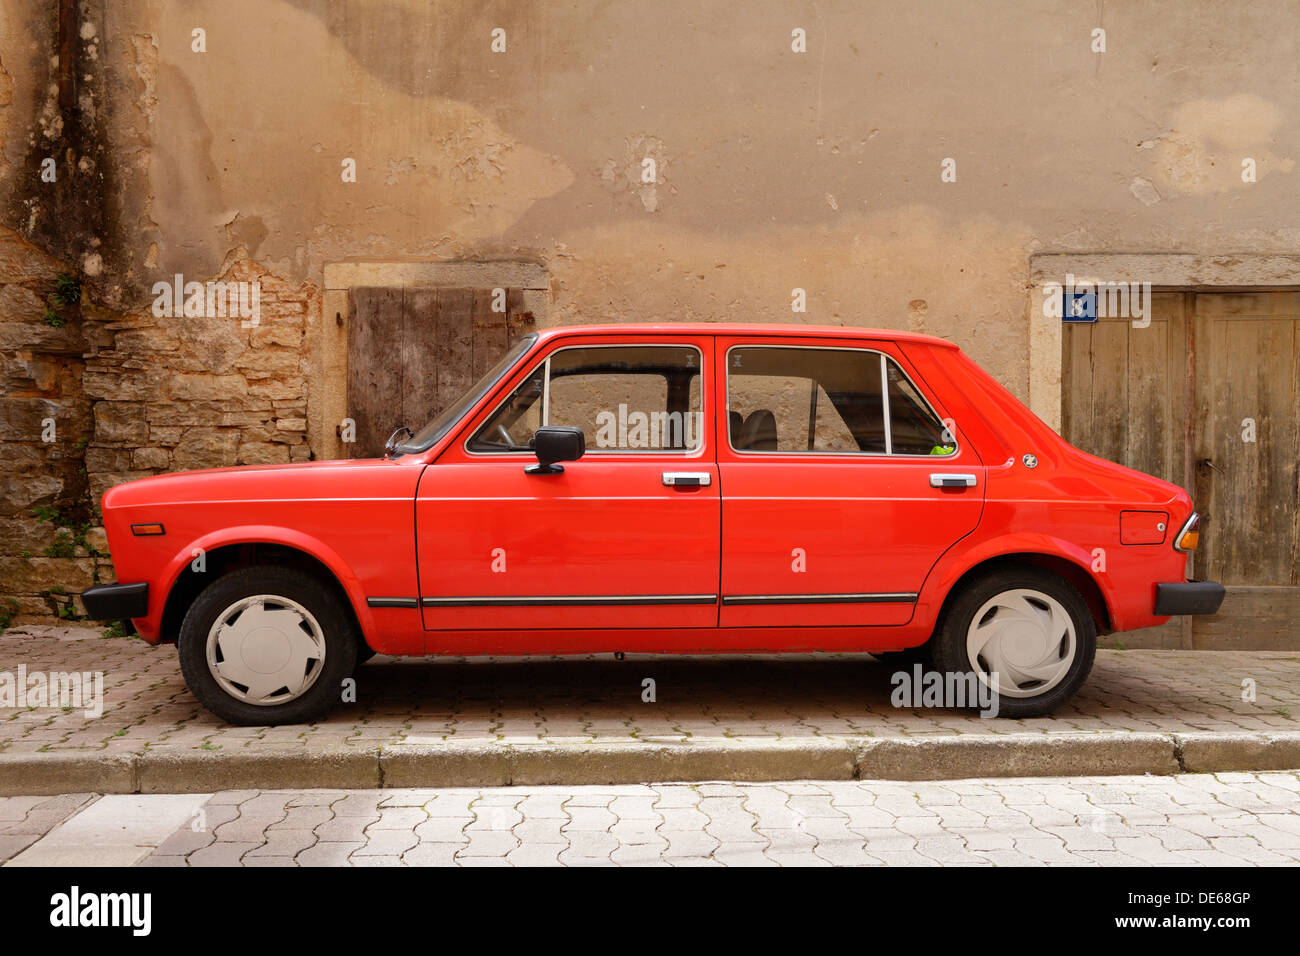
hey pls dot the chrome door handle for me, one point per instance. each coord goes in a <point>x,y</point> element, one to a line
<point>687,479</point>
<point>952,481</point>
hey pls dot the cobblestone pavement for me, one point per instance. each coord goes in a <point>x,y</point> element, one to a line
<point>1188,820</point>
<point>599,699</point>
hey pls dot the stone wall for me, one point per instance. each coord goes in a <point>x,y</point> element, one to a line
<point>45,425</point>
<point>179,393</point>
<point>129,395</point>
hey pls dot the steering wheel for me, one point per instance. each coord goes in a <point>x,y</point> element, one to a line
<point>501,430</point>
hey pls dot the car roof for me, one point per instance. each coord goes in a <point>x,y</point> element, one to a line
<point>759,329</point>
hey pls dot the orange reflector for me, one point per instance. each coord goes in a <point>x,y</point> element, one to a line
<point>147,529</point>
<point>1190,536</point>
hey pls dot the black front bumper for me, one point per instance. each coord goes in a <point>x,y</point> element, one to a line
<point>1192,597</point>
<point>116,602</point>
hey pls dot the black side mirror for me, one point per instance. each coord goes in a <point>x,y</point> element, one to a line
<point>556,443</point>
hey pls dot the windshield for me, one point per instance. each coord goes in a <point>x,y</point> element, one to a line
<point>430,434</point>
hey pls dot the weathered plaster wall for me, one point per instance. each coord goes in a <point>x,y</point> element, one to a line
<point>775,170</point>
<point>773,164</point>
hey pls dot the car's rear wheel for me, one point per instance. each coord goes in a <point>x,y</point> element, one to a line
<point>267,645</point>
<point>1026,634</point>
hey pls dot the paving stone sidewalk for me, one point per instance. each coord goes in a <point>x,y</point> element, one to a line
<point>597,699</point>
<point>24,820</point>
<point>1188,820</point>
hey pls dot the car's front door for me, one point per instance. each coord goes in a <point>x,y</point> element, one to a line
<point>626,536</point>
<point>841,484</point>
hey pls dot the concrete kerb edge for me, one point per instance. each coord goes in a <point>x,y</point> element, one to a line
<point>194,771</point>
<point>1228,752</point>
<point>54,773</point>
<point>1016,755</point>
<point>951,757</point>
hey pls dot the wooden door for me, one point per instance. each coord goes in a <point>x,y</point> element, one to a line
<point>1245,448</point>
<point>1124,399</point>
<point>412,351</point>
<point>1174,400</point>
<point>1123,388</point>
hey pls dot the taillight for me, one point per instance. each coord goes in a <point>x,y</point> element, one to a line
<point>1189,536</point>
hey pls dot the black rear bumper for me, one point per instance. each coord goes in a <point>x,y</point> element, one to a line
<point>116,602</point>
<point>1191,597</point>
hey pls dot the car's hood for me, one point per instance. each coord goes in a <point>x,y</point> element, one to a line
<point>360,478</point>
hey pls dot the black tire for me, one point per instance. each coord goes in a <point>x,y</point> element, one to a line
<point>950,654</point>
<point>331,615</point>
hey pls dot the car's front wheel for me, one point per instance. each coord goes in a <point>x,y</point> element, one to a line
<point>1024,633</point>
<point>267,645</point>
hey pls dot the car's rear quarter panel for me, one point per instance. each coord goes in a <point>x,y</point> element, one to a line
<point>1068,505</point>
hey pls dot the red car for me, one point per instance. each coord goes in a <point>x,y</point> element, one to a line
<point>665,489</point>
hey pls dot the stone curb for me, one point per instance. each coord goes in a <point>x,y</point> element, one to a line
<point>1202,752</point>
<point>948,757</point>
<point>197,771</point>
<point>1017,755</point>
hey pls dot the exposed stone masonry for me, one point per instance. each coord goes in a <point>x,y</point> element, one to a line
<point>130,395</point>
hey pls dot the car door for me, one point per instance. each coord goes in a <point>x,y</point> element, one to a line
<point>626,536</point>
<point>842,483</point>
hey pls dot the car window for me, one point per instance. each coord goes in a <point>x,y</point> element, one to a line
<point>624,398</point>
<point>914,427</point>
<point>785,413</point>
<point>432,433</point>
<point>826,400</point>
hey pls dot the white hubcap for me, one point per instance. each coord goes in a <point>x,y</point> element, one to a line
<point>265,650</point>
<point>1021,643</point>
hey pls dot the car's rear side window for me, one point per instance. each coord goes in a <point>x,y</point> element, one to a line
<point>914,428</point>
<point>625,398</point>
<point>797,399</point>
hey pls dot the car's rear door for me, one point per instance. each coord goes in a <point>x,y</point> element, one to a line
<point>842,482</point>
<point>625,537</point>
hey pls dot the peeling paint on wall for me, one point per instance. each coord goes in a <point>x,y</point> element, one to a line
<point>1203,151</point>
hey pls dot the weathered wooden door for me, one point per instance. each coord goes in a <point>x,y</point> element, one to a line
<point>412,351</point>
<point>1207,397</point>
<point>1245,449</point>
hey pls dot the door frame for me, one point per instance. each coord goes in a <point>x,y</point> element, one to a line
<point>327,385</point>
<point>542,609</point>
<point>1166,272</point>
<point>850,606</point>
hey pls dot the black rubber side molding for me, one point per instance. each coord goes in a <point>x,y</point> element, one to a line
<point>392,602</point>
<point>1193,597</point>
<point>117,602</point>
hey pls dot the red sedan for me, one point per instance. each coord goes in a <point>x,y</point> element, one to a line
<point>665,489</point>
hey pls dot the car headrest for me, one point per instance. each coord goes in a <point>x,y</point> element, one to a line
<point>758,433</point>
